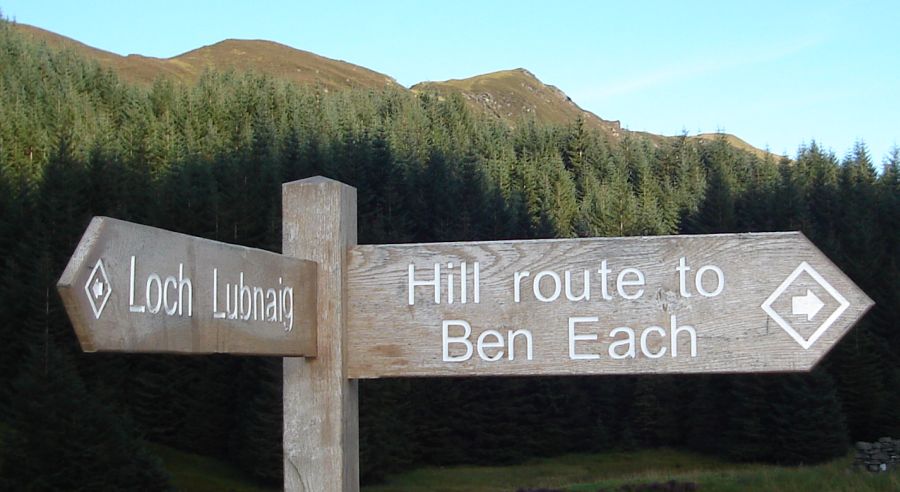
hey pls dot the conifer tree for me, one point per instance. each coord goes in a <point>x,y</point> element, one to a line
<point>62,438</point>
<point>208,158</point>
<point>747,437</point>
<point>255,441</point>
<point>807,426</point>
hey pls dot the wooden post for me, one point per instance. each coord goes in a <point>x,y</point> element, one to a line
<point>321,425</point>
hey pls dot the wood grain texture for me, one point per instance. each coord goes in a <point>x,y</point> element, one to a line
<point>321,448</point>
<point>193,265</point>
<point>390,338</point>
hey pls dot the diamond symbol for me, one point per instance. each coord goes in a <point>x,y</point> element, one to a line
<point>98,288</point>
<point>807,305</point>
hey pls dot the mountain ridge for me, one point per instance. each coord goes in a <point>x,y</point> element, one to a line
<point>505,93</point>
<point>263,56</point>
<point>510,95</point>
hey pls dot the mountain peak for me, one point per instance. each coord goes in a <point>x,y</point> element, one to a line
<point>514,72</point>
<point>246,44</point>
<point>510,95</point>
<point>284,62</point>
<point>515,94</point>
<point>268,57</point>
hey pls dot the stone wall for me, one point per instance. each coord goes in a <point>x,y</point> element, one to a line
<point>878,456</point>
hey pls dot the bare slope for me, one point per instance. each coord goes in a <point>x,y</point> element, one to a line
<point>515,94</point>
<point>509,95</point>
<point>266,57</point>
<point>132,68</point>
<point>283,62</point>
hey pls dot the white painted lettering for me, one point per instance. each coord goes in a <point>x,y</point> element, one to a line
<point>517,282</point>
<point>170,310</point>
<point>512,335</point>
<point>153,279</point>
<point>604,272</point>
<point>645,349</point>
<point>477,282</point>
<point>463,340</point>
<point>259,303</point>
<point>682,276</point>
<point>287,309</point>
<point>463,282</point>
<point>435,282</point>
<point>216,313</point>
<point>585,289</point>
<point>483,344</point>
<point>184,284</point>
<point>557,286</point>
<point>676,330</point>
<point>450,284</point>
<point>245,289</point>
<point>720,281</point>
<point>271,305</point>
<point>254,302</point>
<point>575,338</point>
<point>622,282</point>
<point>627,342</point>
<point>131,306</point>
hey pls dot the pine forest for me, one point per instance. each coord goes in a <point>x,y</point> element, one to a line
<point>209,158</point>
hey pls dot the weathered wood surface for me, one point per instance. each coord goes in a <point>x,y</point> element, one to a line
<point>321,445</point>
<point>388,337</point>
<point>134,288</point>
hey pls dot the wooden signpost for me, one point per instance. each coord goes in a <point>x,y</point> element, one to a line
<point>133,288</point>
<point>341,312</point>
<point>666,304</point>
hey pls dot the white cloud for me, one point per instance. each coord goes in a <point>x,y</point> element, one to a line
<point>696,68</point>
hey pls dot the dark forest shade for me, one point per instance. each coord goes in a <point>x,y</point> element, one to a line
<point>65,439</point>
<point>208,160</point>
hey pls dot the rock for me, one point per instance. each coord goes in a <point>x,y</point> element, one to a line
<point>878,456</point>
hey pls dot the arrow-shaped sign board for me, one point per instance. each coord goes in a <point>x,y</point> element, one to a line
<point>667,304</point>
<point>133,288</point>
<point>671,304</point>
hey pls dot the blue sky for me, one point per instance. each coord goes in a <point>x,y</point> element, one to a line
<point>777,74</point>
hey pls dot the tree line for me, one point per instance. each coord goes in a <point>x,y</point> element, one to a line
<point>208,160</point>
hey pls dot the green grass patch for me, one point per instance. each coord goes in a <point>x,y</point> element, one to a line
<point>835,476</point>
<point>610,471</point>
<point>195,473</point>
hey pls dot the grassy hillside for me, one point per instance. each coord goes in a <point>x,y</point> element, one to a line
<point>512,95</point>
<point>509,95</point>
<point>283,62</point>
<point>266,57</point>
<point>515,94</point>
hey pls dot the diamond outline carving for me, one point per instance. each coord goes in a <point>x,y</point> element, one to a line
<point>805,343</point>
<point>107,291</point>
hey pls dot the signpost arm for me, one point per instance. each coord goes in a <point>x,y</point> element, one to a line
<point>321,446</point>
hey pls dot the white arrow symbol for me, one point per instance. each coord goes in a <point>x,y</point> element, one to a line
<point>810,305</point>
<point>98,288</point>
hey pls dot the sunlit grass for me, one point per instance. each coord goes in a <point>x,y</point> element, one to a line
<point>574,473</point>
<point>833,476</point>
<point>610,471</point>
